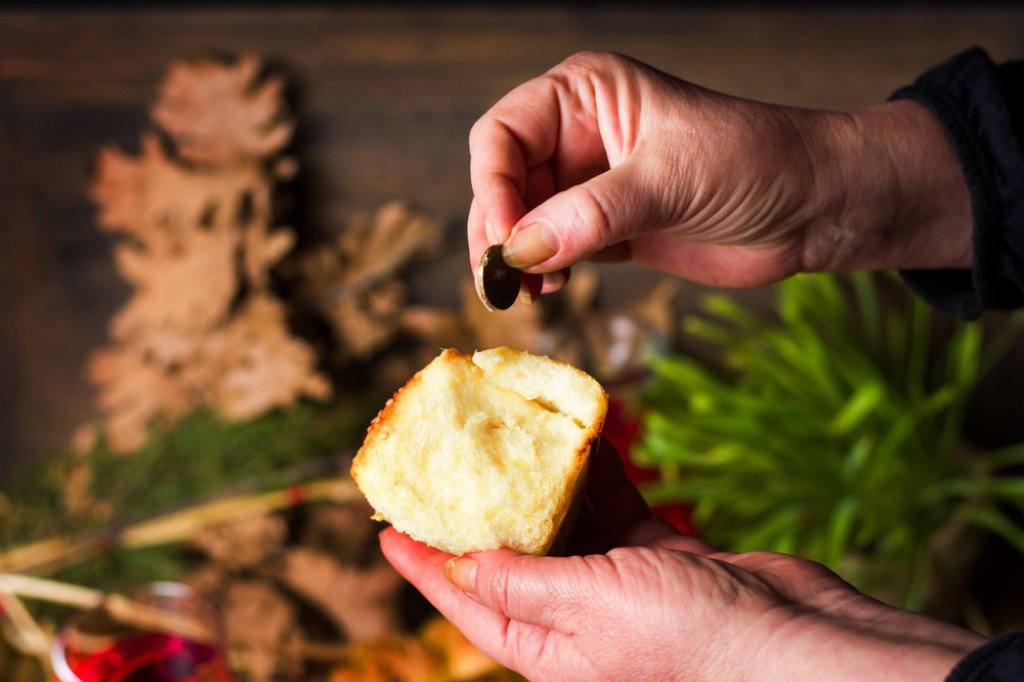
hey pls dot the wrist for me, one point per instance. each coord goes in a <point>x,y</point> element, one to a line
<point>895,196</point>
<point>815,646</point>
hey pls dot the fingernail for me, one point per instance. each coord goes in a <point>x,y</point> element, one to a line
<point>530,245</point>
<point>531,287</point>
<point>461,572</point>
<point>525,295</point>
<point>556,279</point>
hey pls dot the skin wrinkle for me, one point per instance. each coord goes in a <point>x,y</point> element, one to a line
<point>829,236</point>
<point>848,224</point>
<point>563,83</point>
<point>597,217</point>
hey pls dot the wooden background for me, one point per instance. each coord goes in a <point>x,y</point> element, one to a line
<point>385,99</point>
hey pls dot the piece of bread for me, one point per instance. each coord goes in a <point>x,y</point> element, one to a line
<point>484,451</point>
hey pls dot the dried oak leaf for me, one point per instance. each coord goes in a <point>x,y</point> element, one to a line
<point>353,280</point>
<point>201,244</point>
<point>366,321</point>
<point>362,602</point>
<point>189,228</point>
<point>258,619</point>
<point>184,293</point>
<point>117,189</point>
<point>157,201</point>
<point>342,530</point>
<point>375,247</point>
<point>222,113</point>
<point>133,393</point>
<point>371,248</point>
<point>261,250</point>
<point>245,544</point>
<point>254,364</point>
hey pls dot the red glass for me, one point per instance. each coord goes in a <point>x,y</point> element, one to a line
<point>149,658</point>
<point>81,654</point>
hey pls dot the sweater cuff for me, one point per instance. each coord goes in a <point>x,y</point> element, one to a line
<point>999,660</point>
<point>977,105</point>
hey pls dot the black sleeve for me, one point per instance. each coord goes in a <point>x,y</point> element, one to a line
<point>1000,660</point>
<point>981,108</point>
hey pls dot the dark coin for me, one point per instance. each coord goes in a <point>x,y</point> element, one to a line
<point>497,282</point>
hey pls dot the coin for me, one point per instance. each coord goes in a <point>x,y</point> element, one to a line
<point>497,282</point>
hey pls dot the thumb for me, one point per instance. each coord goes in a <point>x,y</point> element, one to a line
<point>536,590</point>
<point>596,216</point>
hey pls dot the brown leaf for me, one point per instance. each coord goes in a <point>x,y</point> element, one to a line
<point>117,189</point>
<point>361,602</point>
<point>371,249</point>
<point>375,247</point>
<point>222,114</point>
<point>134,393</point>
<point>159,201</point>
<point>202,326</point>
<point>187,293</point>
<point>345,531</point>
<point>366,322</point>
<point>244,545</point>
<point>253,364</point>
<point>257,620</point>
<point>353,281</point>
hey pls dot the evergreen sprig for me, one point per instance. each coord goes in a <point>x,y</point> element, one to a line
<point>833,431</point>
<point>199,456</point>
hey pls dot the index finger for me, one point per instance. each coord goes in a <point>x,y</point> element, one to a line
<point>424,568</point>
<point>517,133</point>
<point>490,630</point>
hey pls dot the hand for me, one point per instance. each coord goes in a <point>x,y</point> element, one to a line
<point>663,606</point>
<point>608,159</point>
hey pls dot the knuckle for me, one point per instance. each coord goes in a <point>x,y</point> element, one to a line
<point>593,216</point>
<point>594,59</point>
<point>501,587</point>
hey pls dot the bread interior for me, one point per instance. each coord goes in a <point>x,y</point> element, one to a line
<point>482,452</point>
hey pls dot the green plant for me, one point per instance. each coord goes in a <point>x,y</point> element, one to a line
<point>832,432</point>
<point>199,456</point>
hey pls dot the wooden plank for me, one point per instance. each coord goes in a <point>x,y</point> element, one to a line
<point>385,99</point>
